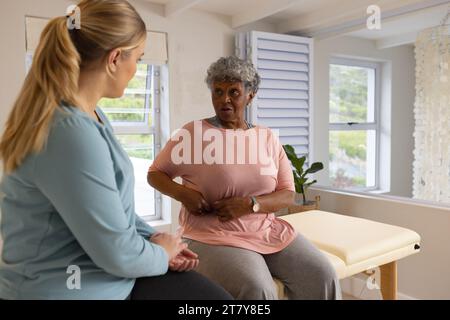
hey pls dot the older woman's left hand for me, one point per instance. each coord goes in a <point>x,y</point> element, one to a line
<point>232,208</point>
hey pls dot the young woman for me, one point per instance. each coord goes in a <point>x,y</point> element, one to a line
<point>69,226</point>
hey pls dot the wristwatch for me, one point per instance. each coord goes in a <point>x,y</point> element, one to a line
<point>255,205</point>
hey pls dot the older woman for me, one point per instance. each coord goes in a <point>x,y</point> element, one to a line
<point>229,193</point>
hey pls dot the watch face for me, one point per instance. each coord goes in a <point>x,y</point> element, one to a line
<point>256,207</point>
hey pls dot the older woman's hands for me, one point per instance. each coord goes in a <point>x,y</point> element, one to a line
<point>232,208</point>
<point>194,202</point>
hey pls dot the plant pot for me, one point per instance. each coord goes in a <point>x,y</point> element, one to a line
<point>300,206</point>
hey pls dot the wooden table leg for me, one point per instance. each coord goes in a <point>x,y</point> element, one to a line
<point>388,275</point>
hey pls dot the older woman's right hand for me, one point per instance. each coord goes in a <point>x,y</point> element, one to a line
<point>194,202</point>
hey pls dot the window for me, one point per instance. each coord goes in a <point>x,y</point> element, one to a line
<point>354,124</point>
<point>136,123</point>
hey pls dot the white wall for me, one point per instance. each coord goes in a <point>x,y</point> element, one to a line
<point>12,36</point>
<point>398,81</point>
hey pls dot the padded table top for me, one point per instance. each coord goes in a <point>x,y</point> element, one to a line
<point>349,238</point>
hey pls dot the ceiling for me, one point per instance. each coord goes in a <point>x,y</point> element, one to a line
<point>405,29</point>
<point>401,19</point>
<point>233,7</point>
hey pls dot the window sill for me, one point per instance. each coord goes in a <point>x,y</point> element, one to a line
<point>379,191</point>
<point>160,225</point>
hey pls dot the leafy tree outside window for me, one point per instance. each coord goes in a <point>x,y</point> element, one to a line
<point>353,136</point>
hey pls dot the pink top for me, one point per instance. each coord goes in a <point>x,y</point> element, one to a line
<point>202,155</point>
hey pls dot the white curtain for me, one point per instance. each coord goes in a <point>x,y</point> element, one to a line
<point>431,180</point>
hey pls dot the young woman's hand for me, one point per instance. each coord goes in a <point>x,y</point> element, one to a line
<point>186,260</point>
<point>194,202</point>
<point>232,208</point>
<point>171,243</point>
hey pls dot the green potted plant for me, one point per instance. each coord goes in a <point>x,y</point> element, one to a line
<point>301,180</point>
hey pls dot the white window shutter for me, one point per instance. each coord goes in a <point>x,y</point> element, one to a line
<point>284,99</point>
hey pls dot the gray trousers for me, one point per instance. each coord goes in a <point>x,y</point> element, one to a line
<point>247,275</point>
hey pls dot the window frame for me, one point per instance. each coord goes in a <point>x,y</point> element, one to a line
<point>143,127</point>
<point>374,125</point>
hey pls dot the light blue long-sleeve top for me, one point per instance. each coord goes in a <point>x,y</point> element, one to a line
<point>73,205</point>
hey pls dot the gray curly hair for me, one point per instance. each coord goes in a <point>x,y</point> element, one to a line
<point>235,70</point>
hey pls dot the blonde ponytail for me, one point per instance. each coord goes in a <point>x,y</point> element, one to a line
<point>53,77</point>
<point>54,74</point>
